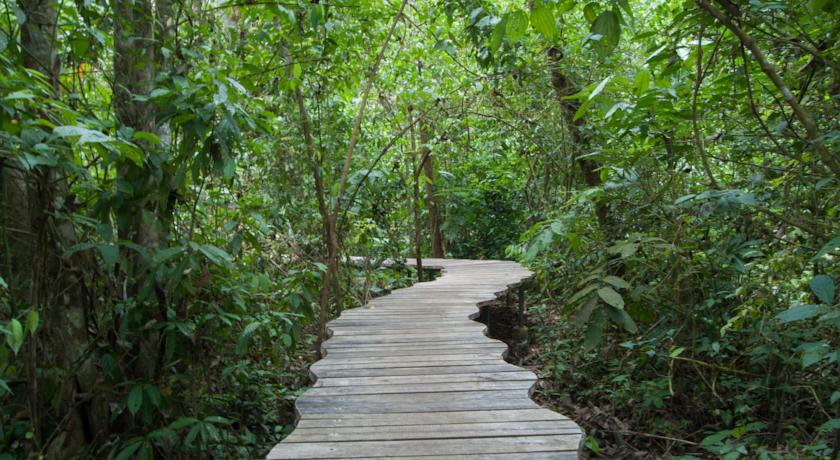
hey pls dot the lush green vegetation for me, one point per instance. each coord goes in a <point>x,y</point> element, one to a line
<point>180,182</point>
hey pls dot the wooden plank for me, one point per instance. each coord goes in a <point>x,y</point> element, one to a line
<point>416,402</point>
<point>426,447</point>
<point>428,418</point>
<point>427,378</point>
<point>424,387</point>
<point>430,370</point>
<point>449,356</point>
<point>529,456</point>
<point>428,362</point>
<point>439,431</point>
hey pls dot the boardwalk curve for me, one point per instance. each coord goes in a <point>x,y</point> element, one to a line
<point>411,375</point>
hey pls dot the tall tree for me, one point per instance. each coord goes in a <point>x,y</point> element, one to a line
<point>431,199</point>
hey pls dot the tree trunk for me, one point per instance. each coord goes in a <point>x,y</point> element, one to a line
<point>591,177</point>
<point>415,204</point>
<point>134,72</point>
<point>34,240</point>
<point>431,199</point>
<point>37,36</point>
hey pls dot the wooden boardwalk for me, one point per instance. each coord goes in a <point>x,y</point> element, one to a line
<point>410,375</point>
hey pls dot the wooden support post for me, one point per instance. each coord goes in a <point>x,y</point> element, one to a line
<point>520,314</point>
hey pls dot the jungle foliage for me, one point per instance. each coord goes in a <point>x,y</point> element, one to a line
<point>181,183</point>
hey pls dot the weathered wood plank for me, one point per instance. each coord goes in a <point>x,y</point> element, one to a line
<point>439,431</point>
<point>430,418</point>
<point>424,387</point>
<point>428,447</point>
<point>427,378</point>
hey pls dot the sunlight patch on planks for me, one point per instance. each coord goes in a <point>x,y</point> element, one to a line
<point>411,375</point>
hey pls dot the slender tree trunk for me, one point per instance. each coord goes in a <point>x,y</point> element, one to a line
<point>315,165</point>
<point>591,177</point>
<point>415,204</point>
<point>332,222</point>
<point>698,138</point>
<point>431,199</point>
<point>134,72</point>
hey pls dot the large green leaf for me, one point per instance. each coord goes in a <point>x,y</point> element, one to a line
<point>599,88</point>
<point>517,25</point>
<point>800,312</point>
<point>135,399</point>
<point>616,281</point>
<point>498,35</point>
<point>831,246</point>
<point>594,329</point>
<point>611,297</point>
<point>85,135</point>
<point>823,287</point>
<point>542,19</point>
<point>622,318</point>
<point>608,26</point>
<point>14,336</point>
<point>214,254</point>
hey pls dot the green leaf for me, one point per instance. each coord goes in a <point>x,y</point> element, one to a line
<point>316,15</point>
<point>214,254</point>
<point>245,338</point>
<point>182,422</point>
<point>542,19</point>
<point>126,453</point>
<point>616,281</point>
<point>620,317</point>
<point>815,6</point>
<point>608,27</point>
<point>582,109</point>
<point>626,249</point>
<point>823,287</point>
<point>799,312</point>
<point>594,329</point>
<point>517,24</point>
<point>159,93</point>
<point>831,246</point>
<point>611,297</point>
<point>165,254</point>
<point>829,426</point>
<point>86,136</point>
<point>14,337</point>
<point>498,35</point>
<point>812,353</point>
<point>583,292</point>
<point>146,137</point>
<point>590,11</point>
<point>135,399</point>
<point>17,95</point>
<point>218,420</point>
<point>32,321</point>
<point>110,254</point>
<point>584,314</point>
<point>599,88</point>
<point>3,385</point>
<point>642,82</point>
